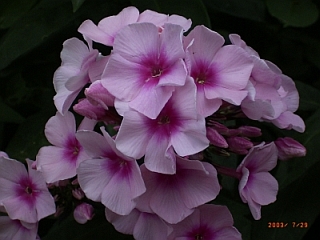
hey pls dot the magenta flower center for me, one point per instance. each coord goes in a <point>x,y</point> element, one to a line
<point>156,72</point>
<point>202,232</point>
<point>27,190</point>
<point>72,149</point>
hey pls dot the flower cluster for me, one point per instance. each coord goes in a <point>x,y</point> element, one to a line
<point>154,113</point>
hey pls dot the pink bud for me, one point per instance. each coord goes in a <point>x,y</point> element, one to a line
<point>86,109</point>
<point>249,131</point>
<point>216,138</point>
<point>98,95</point>
<point>83,212</point>
<point>289,148</point>
<point>239,145</point>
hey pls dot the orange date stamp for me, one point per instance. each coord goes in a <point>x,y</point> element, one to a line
<point>288,224</point>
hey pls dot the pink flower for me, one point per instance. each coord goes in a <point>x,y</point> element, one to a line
<point>220,73</point>
<point>83,212</point>
<point>257,186</point>
<point>72,75</point>
<point>145,70</point>
<point>206,222</point>
<point>176,128</point>
<point>142,225</point>
<point>272,96</point>
<point>23,193</point>
<point>108,28</point>
<point>108,176</point>
<point>60,161</point>
<point>289,148</point>
<point>174,197</point>
<point>17,230</point>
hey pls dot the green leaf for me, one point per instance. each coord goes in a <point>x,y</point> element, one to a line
<point>309,96</point>
<point>98,229</point>
<point>296,13</point>
<point>193,9</point>
<point>11,11</point>
<point>77,4</point>
<point>248,9</point>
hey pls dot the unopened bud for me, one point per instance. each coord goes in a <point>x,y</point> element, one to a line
<point>289,148</point>
<point>83,212</point>
<point>216,138</point>
<point>98,95</point>
<point>239,145</point>
<point>249,131</point>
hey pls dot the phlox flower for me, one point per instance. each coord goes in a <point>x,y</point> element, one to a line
<point>107,29</point>
<point>24,194</point>
<point>257,186</point>
<point>108,176</point>
<point>17,230</point>
<point>272,96</point>
<point>207,222</point>
<point>220,72</point>
<point>142,225</point>
<point>59,162</point>
<point>72,75</point>
<point>177,128</point>
<point>145,70</point>
<point>174,197</point>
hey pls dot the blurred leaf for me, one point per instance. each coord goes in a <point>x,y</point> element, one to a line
<point>309,96</point>
<point>193,9</point>
<point>98,229</point>
<point>77,4</point>
<point>11,11</point>
<point>296,13</point>
<point>7,114</point>
<point>248,9</point>
<point>29,138</point>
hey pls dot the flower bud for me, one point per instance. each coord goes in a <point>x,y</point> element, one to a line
<point>83,212</point>
<point>98,95</point>
<point>289,148</point>
<point>216,138</point>
<point>249,131</point>
<point>239,145</point>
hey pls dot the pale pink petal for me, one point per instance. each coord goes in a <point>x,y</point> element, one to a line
<point>289,120</point>
<point>93,177</point>
<point>179,20</point>
<point>262,188</point>
<point>151,100</point>
<point>171,48</point>
<point>143,44</point>
<point>93,143</point>
<point>8,167</point>
<point>133,137</point>
<point>90,30</point>
<point>14,230</point>
<point>73,53</point>
<point>123,78</point>
<point>234,67</point>
<point>192,139</point>
<point>19,209</point>
<point>232,96</point>
<point>255,209</point>
<point>206,107</point>
<point>205,46</point>
<point>175,75</point>
<point>54,166</point>
<point>58,128</point>
<point>228,233</point>
<point>156,158</point>
<point>64,99</point>
<point>150,16</point>
<point>124,224</point>
<point>150,226</point>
